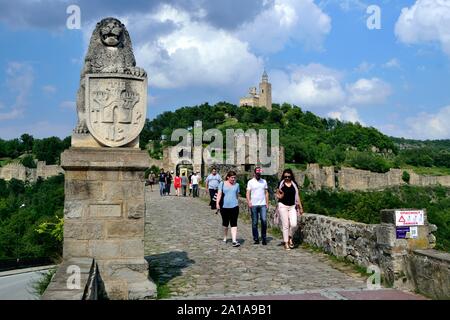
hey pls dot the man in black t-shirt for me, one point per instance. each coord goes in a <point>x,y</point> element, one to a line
<point>162,182</point>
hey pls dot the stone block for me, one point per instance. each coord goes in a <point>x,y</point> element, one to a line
<point>104,249</point>
<point>76,175</point>
<point>135,210</point>
<point>116,289</point>
<point>83,190</point>
<point>74,209</point>
<point>386,235</point>
<point>125,229</point>
<point>102,175</point>
<point>132,248</point>
<point>105,210</point>
<point>75,248</point>
<point>84,230</point>
<point>131,175</point>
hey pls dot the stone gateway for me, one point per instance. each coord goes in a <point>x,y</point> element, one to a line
<point>104,205</point>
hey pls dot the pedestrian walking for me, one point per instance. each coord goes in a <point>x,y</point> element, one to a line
<point>169,177</point>
<point>190,184</point>
<point>184,183</point>
<point>212,184</point>
<point>227,202</point>
<point>195,180</point>
<point>152,180</point>
<point>162,182</point>
<point>289,206</point>
<point>177,184</point>
<point>258,202</point>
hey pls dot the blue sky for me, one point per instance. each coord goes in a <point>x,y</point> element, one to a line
<point>320,55</point>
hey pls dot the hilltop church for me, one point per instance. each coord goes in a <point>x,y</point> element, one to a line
<point>261,99</point>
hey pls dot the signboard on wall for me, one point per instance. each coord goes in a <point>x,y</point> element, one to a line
<point>404,218</point>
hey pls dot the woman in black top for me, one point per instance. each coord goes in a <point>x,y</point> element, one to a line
<point>289,206</point>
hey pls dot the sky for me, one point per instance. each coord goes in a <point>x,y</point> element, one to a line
<point>383,63</point>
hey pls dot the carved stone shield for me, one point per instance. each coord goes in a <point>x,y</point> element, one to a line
<point>116,107</point>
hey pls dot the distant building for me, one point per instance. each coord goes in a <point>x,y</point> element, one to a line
<point>263,98</point>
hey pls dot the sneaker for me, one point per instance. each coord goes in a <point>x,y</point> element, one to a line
<point>236,244</point>
<point>224,241</point>
<point>255,241</point>
<point>264,242</point>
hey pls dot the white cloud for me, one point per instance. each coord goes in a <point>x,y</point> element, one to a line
<point>365,67</point>
<point>430,126</point>
<point>19,82</point>
<point>393,63</point>
<point>316,86</point>
<point>286,20</point>
<point>68,105</point>
<point>368,91</point>
<point>189,52</point>
<point>346,114</point>
<point>425,21</point>
<point>311,86</point>
<point>49,89</point>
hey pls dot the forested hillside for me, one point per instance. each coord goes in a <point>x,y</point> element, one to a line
<point>306,137</point>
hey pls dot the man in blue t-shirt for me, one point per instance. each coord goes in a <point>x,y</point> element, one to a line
<point>212,184</point>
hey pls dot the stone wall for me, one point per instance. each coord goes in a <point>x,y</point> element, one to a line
<point>357,242</point>
<point>429,271</point>
<point>20,172</point>
<point>351,179</point>
<point>62,285</point>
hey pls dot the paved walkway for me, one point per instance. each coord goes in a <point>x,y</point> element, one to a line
<point>185,250</point>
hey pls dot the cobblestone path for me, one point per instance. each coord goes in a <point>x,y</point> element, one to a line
<point>184,247</point>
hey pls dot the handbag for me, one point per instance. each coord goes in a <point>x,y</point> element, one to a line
<point>276,217</point>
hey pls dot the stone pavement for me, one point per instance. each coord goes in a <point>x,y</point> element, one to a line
<point>184,247</point>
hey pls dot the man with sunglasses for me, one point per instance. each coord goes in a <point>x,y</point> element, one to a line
<point>258,202</point>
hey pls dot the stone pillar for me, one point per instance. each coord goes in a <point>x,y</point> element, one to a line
<point>393,252</point>
<point>104,216</point>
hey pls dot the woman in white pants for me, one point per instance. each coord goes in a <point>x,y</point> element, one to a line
<point>289,206</point>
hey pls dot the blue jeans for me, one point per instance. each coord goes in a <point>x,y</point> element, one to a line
<point>262,211</point>
<point>162,188</point>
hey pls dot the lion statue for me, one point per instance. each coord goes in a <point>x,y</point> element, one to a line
<point>109,51</point>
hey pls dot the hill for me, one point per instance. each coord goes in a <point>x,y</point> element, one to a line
<point>306,137</point>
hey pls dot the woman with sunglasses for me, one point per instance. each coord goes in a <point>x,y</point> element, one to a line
<point>289,206</point>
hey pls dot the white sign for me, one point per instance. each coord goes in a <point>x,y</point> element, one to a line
<point>413,232</point>
<point>409,218</point>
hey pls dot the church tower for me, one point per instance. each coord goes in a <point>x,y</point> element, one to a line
<point>265,92</point>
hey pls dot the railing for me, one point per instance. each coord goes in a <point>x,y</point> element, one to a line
<point>21,263</point>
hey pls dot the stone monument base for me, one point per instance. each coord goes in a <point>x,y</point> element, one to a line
<point>85,140</point>
<point>104,213</point>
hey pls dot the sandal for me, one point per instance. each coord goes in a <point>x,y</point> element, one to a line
<point>286,247</point>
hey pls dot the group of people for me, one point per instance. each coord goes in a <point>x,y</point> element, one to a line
<point>180,183</point>
<point>226,196</point>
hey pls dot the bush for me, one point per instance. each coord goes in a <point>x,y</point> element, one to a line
<point>406,176</point>
<point>28,161</point>
<point>42,283</point>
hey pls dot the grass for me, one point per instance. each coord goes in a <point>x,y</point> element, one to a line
<point>4,161</point>
<point>162,289</point>
<point>40,285</point>
<point>430,171</point>
<point>295,166</point>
